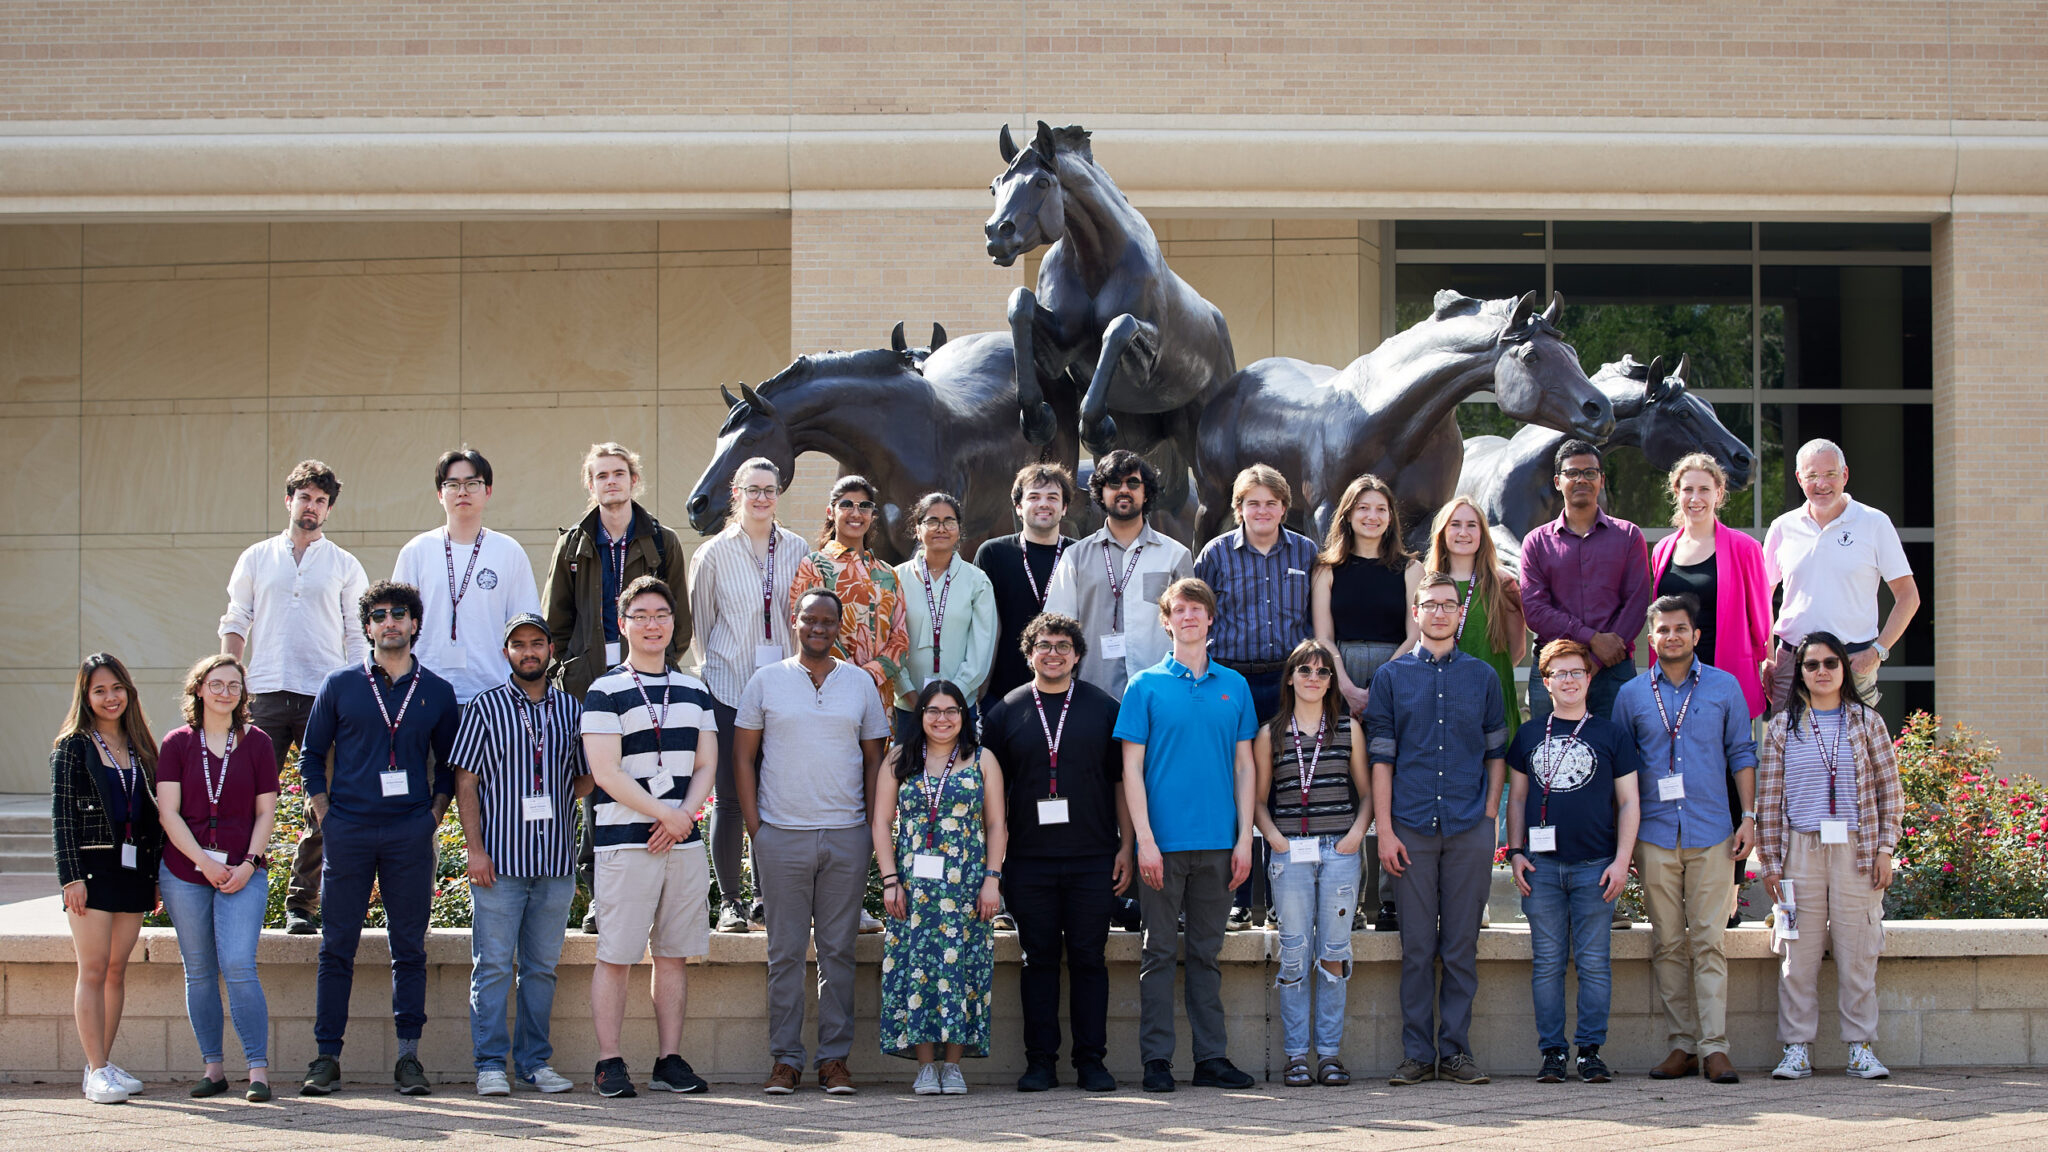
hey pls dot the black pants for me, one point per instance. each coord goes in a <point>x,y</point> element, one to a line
<point>1062,901</point>
<point>1257,889</point>
<point>283,716</point>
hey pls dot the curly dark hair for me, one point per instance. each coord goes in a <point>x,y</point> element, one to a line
<point>1119,465</point>
<point>314,474</point>
<point>1038,476</point>
<point>392,594</point>
<point>1056,624</point>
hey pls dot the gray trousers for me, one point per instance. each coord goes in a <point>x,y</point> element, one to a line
<point>811,876</point>
<point>1439,899</point>
<point>1197,889</point>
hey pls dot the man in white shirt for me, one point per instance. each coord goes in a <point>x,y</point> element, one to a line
<point>1830,553</point>
<point>1111,581</point>
<point>291,620</point>
<point>473,580</point>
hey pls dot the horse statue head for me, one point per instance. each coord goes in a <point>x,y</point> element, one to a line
<point>1668,422</point>
<point>1537,377</point>
<point>899,343</point>
<point>1030,208</point>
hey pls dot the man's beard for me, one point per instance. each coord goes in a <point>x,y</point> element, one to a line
<point>308,524</point>
<point>538,672</point>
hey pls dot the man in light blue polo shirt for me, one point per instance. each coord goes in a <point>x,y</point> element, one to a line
<point>1187,726</point>
<point>1691,724</point>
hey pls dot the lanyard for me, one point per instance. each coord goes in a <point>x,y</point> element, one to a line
<point>936,609</point>
<point>1471,590</point>
<point>1692,681</point>
<point>1830,757</point>
<point>1058,550</point>
<point>934,796</point>
<point>615,552</point>
<point>768,588</point>
<point>1547,774</point>
<point>535,722</point>
<point>455,594</point>
<point>214,790</point>
<point>1116,586</point>
<point>377,694</point>
<point>130,779</point>
<point>1305,770</point>
<point>651,717</point>
<point>1053,736</point>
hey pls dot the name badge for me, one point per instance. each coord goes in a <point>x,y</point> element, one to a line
<point>926,867</point>
<point>1543,838</point>
<point>613,653</point>
<point>128,859</point>
<point>1112,645</point>
<point>394,783</point>
<point>455,658</point>
<point>1671,787</point>
<point>1834,831</point>
<point>766,654</point>
<point>534,809</point>
<point>1053,811</point>
<point>1304,850</point>
<point>215,855</point>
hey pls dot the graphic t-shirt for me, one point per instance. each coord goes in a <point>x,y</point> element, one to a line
<point>1571,781</point>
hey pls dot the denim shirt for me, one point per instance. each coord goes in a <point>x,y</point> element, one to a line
<point>1437,721</point>
<point>1713,743</point>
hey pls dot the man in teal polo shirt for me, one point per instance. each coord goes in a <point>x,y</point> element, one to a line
<point>1187,726</point>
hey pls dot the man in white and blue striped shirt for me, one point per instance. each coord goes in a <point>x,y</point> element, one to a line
<point>519,771</point>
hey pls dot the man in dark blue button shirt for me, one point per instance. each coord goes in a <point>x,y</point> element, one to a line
<point>1436,729</point>
<point>382,732</point>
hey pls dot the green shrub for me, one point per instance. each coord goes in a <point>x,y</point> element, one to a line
<point>1973,844</point>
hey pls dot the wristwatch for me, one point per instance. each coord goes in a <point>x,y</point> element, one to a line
<point>261,860</point>
<point>1514,852</point>
<point>1883,653</point>
<point>992,874</point>
<point>1749,815</point>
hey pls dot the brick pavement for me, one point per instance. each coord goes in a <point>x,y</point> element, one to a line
<point>1979,1110</point>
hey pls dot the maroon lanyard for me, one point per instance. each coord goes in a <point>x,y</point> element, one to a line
<point>1058,550</point>
<point>1546,774</point>
<point>377,694</point>
<point>1116,586</point>
<point>651,717</point>
<point>130,780</point>
<point>1692,681</point>
<point>1305,770</point>
<point>455,594</point>
<point>768,589</point>
<point>1053,736</point>
<point>1471,590</point>
<point>535,722</point>
<point>214,790</point>
<point>935,796</point>
<point>1827,757</point>
<point>937,608</point>
<point>615,552</point>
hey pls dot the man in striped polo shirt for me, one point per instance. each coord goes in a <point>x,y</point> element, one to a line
<point>651,740</point>
<point>519,771</point>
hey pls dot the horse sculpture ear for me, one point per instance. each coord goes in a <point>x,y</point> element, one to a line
<point>1006,145</point>
<point>938,336</point>
<point>1550,314</point>
<point>761,407</point>
<point>1654,388</point>
<point>1683,372</point>
<point>1044,143</point>
<point>731,401</point>
<point>896,338</point>
<point>1519,318</point>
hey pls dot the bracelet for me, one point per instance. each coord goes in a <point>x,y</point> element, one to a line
<point>890,876</point>
<point>993,874</point>
<point>891,882</point>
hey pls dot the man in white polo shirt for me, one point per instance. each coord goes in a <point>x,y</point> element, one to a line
<point>1830,553</point>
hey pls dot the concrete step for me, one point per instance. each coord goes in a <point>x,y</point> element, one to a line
<point>12,863</point>
<point>37,841</point>
<point>14,823</point>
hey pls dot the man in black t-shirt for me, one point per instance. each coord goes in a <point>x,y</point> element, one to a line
<point>1020,568</point>
<point>1070,846</point>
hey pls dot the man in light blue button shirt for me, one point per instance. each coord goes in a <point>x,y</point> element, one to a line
<point>1691,724</point>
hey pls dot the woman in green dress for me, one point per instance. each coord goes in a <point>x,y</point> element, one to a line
<point>1491,627</point>
<point>941,848</point>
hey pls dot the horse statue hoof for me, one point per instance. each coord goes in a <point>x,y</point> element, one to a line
<point>1100,436</point>
<point>1039,424</point>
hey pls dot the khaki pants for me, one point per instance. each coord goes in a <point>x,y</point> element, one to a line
<point>1840,912</point>
<point>1686,893</point>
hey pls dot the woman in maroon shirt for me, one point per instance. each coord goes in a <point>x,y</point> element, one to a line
<point>217,790</point>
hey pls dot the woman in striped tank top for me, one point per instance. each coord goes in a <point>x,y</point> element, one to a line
<point>1314,804</point>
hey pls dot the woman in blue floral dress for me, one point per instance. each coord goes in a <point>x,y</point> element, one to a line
<point>941,851</point>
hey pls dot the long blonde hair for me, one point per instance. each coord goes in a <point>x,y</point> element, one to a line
<point>1502,614</point>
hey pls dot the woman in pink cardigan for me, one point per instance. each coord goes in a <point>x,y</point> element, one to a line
<point>1724,570</point>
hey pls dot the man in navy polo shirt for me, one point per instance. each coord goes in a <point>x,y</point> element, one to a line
<point>1187,726</point>
<point>380,736</point>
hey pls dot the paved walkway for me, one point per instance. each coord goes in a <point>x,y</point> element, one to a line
<point>1977,1110</point>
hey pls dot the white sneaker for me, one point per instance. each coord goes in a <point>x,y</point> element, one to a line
<point>493,1082</point>
<point>868,924</point>
<point>546,1079</point>
<point>1796,1065</point>
<point>927,1083</point>
<point>101,1087</point>
<point>1864,1064</point>
<point>128,1082</point>
<point>952,1081</point>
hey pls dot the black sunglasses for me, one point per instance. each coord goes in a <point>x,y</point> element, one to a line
<point>395,612</point>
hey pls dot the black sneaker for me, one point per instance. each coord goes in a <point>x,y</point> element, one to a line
<point>297,923</point>
<point>1387,920</point>
<point>410,1078</point>
<point>612,1080</point>
<point>1592,1069</point>
<point>1219,1072</point>
<point>1042,1076</point>
<point>1158,1075</point>
<point>672,1073</point>
<point>321,1076</point>
<point>1093,1077</point>
<point>1553,1067</point>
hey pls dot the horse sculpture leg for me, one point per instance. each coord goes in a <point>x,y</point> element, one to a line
<point>1128,347</point>
<point>1035,415</point>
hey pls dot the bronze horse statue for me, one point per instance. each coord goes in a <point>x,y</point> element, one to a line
<point>1511,477</point>
<point>1393,411</point>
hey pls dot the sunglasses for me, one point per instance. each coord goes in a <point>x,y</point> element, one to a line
<point>856,506</point>
<point>1313,671</point>
<point>399,612</point>
<point>1831,663</point>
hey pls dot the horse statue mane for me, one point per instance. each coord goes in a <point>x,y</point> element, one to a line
<point>866,361</point>
<point>1450,304</point>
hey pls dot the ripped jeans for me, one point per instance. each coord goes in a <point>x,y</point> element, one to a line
<point>1314,903</point>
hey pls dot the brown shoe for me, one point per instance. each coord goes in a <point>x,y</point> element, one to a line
<point>1720,1069</point>
<point>1679,1063</point>
<point>783,1079</point>
<point>834,1078</point>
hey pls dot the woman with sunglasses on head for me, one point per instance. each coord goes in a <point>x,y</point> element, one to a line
<point>1828,809</point>
<point>217,788</point>
<point>1314,802</point>
<point>940,845</point>
<point>873,632</point>
<point>107,840</point>
<point>1491,625</point>
<point>949,612</point>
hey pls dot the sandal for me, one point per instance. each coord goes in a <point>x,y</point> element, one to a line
<point>1297,1074</point>
<point>1332,1073</point>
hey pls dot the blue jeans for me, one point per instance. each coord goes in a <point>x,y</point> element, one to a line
<point>526,915</point>
<point>1314,903</point>
<point>217,937</point>
<point>1599,695</point>
<point>1565,909</point>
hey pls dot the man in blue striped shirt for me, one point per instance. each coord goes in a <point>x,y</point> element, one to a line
<point>519,771</point>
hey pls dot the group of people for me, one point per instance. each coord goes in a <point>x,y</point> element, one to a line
<point>1033,733</point>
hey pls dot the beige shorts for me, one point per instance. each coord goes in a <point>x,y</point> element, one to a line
<point>653,902</point>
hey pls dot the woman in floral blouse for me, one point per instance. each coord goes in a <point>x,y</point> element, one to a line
<point>872,629</point>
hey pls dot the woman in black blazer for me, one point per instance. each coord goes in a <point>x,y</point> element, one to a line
<point>108,841</point>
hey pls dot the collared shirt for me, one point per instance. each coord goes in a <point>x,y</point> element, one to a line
<point>813,772</point>
<point>500,587</point>
<point>1261,597</point>
<point>1437,720</point>
<point>1081,589</point>
<point>1879,800</point>
<point>1190,726</point>
<point>297,619</point>
<point>967,643</point>
<point>1713,744</point>
<point>1831,573</point>
<point>660,759</point>
<point>495,742</point>
<point>1578,586</point>
<point>346,721</point>
<point>725,602</point>
<point>871,628</point>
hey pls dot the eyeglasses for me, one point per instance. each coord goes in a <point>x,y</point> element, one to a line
<point>1831,663</point>
<point>1830,476</point>
<point>1132,483</point>
<point>942,713</point>
<point>1566,674</point>
<point>1439,607</point>
<point>472,485</point>
<point>395,612</point>
<point>649,619</point>
<point>1053,647</point>
<point>224,687</point>
<point>936,524</point>
<point>1313,672</point>
<point>855,506</point>
<point>1580,473</point>
<point>756,492</point>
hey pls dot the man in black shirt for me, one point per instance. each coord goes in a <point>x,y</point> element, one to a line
<point>1070,846</point>
<point>1020,568</point>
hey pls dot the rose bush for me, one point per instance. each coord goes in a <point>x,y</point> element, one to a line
<point>1974,844</point>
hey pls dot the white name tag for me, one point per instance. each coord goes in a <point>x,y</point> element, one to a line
<point>533,809</point>
<point>1834,831</point>
<point>128,859</point>
<point>215,855</point>
<point>1304,850</point>
<point>766,654</point>
<point>1112,645</point>
<point>613,653</point>
<point>1052,811</point>
<point>394,783</point>
<point>924,867</point>
<point>1671,787</point>
<point>1543,838</point>
<point>455,658</point>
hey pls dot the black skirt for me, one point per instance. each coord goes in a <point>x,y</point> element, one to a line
<point>112,888</point>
